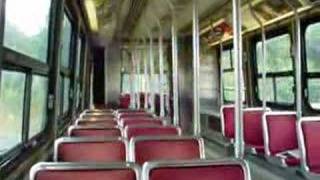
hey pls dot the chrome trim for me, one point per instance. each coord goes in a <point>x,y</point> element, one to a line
<point>73,127</point>
<point>64,166</point>
<point>149,166</point>
<point>256,109</point>
<point>125,131</point>
<point>266,129</point>
<point>134,140</point>
<point>121,123</point>
<point>65,140</point>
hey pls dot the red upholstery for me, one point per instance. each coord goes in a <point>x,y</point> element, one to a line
<point>134,114</point>
<point>150,131</point>
<point>94,116</point>
<point>282,133</point>
<point>166,149</point>
<point>228,120</point>
<point>212,172</point>
<point>311,134</point>
<point>117,174</point>
<point>253,133</point>
<point>124,101</point>
<point>103,123</point>
<point>129,122</point>
<point>113,132</point>
<point>292,161</point>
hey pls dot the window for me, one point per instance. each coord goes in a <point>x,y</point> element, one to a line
<point>26,27</point>
<point>11,109</point>
<point>38,105</point>
<point>66,41</point>
<point>228,76</point>
<point>66,95</point>
<point>279,70</point>
<point>312,36</point>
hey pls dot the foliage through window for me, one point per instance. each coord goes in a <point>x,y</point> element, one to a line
<point>66,95</point>
<point>26,27</point>
<point>38,105</point>
<point>279,70</point>
<point>313,64</point>
<point>66,41</point>
<point>11,109</point>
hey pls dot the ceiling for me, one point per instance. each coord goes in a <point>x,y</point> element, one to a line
<point>135,19</point>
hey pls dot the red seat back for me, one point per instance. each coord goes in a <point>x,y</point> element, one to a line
<point>135,131</point>
<point>84,171</point>
<point>227,121</point>
<point>97,116</point>
<point>94,131</point>
<point>90,150</point>
<point>199,170</point>
<point>134,114</point>
<point>130,122</point>
<point>280,132</point>
<point>104,123</point>
<point>252,125</point>
<point>310,133</point>
<point>145,149</point>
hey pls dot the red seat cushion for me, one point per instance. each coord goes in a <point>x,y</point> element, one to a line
<point>129,122</point>
<point>311,133</point>
<point>113,132</point>
<point>113,151</point>
<point>292,161</point>
<point>107,123</point>
<point>134,114</point>
<point>150,150</point>
<point>253,133</point>
<point>228,118</point>
<point>87,175</point>
<point>198,173</point>
<point>150,131</point>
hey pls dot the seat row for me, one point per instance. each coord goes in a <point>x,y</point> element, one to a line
<point>278,136</point>
<point>118,152</point>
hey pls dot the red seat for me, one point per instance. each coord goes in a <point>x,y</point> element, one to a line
<point>134,114</point>
<point>252,127</point>
<point>94,131</point>
<point>227,121</point>
<point>104,123</point>
<point>197,170</point>
<point>84,171</point>
<point>280,137</point>
<point>309,129</point>
<point>90,149</point>
<point>143,149</point>
<point>130,122</point>
<point>135,131</point>
<point>129,110</point>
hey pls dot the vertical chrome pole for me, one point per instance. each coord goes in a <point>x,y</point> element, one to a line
<point>162,113</point>
<point>264,56</point>
<point>138,60</point>
<point>221,74</point>
<point>91,86</point>
<point>146,77</point>
<point>152,79</point>
<point>196,65</point>
<point>174,46</point>
<point>237,41</point>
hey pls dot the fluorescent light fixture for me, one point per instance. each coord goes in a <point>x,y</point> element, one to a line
<point>92,14</point>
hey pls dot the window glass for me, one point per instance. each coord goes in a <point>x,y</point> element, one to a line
<point>313,93</point>
<point>38,106</point>
<point>66,94</point>
<point>26,27</point>
<point>313,48</point>
<point>78,95</point>
<point>284,90</point>
<point>268,89</point>
<point>11,109</point>
<point>228,86</point>
<point>126,83</point>
<point>278,54</point>
<point>226,59</point>
<point>66,41</point>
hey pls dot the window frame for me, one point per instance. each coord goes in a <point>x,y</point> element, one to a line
<point>274,75</point>
<point>17,61</point>
<point>306,76</point>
